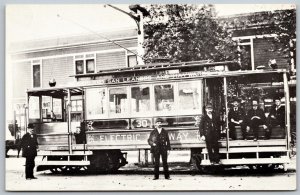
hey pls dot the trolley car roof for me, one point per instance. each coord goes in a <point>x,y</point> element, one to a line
<point>77,87</point>
<point>233,65</point>
<point>54,91</point>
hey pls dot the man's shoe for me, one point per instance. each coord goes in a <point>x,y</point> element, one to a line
<point>155,178</point>
<point>33,177</point>
<point>168,178</point>
<point>28,178</point>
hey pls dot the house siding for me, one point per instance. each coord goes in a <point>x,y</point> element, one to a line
<point>22,79</point>
<point>111,60</point>
<point>58,68</point>
<point>78,49</point>
<point>264,51</point>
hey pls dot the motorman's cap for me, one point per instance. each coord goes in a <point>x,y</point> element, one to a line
<point>159,120</point>
<point>277,98</point>
<point>30,126</point>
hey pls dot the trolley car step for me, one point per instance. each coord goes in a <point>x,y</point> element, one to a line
<point>62,163</point>
<point>250,149</point>
<point>248,161</point>
<point>66,153</point>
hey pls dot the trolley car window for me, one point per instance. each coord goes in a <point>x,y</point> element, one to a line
<point>164,97</point>
<point>57,108</point>
<point>118,100</point>
<point>96,104</point>
<point>140,99</point>
<point>34,107</point>
<point>46,107</point>
<point>189,96</point>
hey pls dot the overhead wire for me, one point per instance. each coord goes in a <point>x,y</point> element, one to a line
<point>99,35</point>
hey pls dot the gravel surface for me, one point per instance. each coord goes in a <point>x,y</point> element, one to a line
<point>136,178</point>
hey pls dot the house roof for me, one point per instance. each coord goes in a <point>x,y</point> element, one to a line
<point>66,41</point>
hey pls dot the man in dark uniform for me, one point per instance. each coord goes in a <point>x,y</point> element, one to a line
<point>276,116</point>
<point>160,146</point>
<point>209,131</point>
<point>29,146</point>
<point>256,117</point>
<point>236,117</point>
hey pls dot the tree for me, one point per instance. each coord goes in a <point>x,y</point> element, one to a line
<point>186,33</point>
<point>283,24</point>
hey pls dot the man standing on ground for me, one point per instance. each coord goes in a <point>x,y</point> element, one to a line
<point>209,131</point>
<point>160,146</point>
<point>29,146</point>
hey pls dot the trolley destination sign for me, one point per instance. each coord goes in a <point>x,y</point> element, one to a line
<point>140,78</point>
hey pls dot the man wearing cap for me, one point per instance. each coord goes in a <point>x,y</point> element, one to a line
<point>29,148</point>
<point>255,118</point>
<point>209,130</point>
<point>276,116</point>
<point>160,146</point>
<point>236,117</point>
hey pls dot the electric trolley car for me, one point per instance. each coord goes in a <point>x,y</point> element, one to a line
<point>89,124</point>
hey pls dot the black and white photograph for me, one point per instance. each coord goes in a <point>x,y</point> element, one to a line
<point>150,97</point>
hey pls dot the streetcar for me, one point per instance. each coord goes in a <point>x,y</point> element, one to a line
<point>91,123</point>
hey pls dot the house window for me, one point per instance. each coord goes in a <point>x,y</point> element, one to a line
<point>85,64</point>
<point>246,60</point>
<point>90,66</point>
<point>246,53</point>
<point>131,60</point>
<point>36,75</point>
<point>79,66</point>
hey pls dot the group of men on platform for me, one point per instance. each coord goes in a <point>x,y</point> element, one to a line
<point>254,118</point>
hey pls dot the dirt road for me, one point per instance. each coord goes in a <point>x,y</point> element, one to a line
<point>134,178</point>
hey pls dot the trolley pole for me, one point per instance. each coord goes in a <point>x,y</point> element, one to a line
<point>69,122</point>
<point>140,49</point>
<point>140,12</point>
<point>287,109</point>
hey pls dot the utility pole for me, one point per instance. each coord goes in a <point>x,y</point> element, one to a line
<point>141,12</point>
<point>140,49</point>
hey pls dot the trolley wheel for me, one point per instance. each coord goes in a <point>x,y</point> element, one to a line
<point>71,169</point>
<point>196,161</point>
<point>212,169</point>
<point>252,167</point>
<point>55,170</point>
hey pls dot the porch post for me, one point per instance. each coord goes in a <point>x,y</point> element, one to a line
<point>226,111</point>
<point>287,109</point>
<point>69,122</point>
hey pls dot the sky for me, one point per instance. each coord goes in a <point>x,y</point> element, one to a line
<point>29,22</point>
